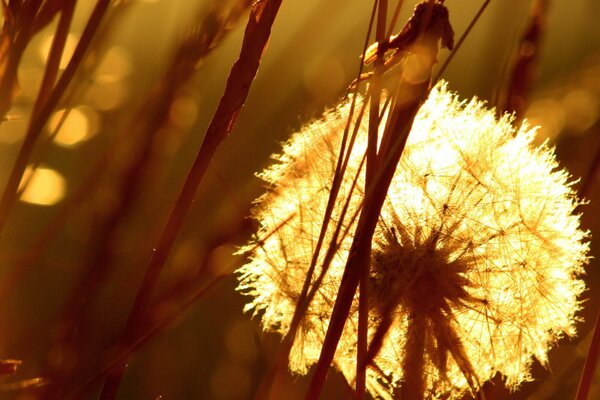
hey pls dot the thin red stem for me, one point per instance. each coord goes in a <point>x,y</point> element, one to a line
<point>306,294</point>
<point>55,55</point>
<point>242,74</point>
<point>590,364</point>
<point>374,120</point>
<point>460,41</point>
<point>395,133</point>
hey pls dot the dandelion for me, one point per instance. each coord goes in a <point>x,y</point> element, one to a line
<point>475,259</point>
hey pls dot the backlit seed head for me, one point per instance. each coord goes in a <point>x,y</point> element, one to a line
<point>475,259</point>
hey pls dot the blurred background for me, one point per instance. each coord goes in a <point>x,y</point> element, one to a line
<point>213,350</point>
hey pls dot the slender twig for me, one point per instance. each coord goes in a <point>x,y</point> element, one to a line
<point>55,54</point>
<point>590,364</point>
<point>80,83</point>
<point>143,338</point>
<point>395,16</point>
<point>306,293</point>
<point>258,30</point>
<point>147,123</point>
<point>374,120</point>
<point>392,143</point>
<point>460,41</point>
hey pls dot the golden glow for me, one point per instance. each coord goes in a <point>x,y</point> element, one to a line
<point>184,112</point>
<point>415,68</point>
<point>484,217</point>
<point>74,126</point>
<point>107,95</point>
<point>115,65</point>
<point>581,107</point>
<point>45,187</point>
<point>549,115</point>
<point>324,77</point>
<point>70,45</point>
<point>109,89</point>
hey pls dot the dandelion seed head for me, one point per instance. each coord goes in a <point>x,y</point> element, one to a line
<point>476,256</point>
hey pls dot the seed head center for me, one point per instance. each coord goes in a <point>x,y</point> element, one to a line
<point>419,277</point>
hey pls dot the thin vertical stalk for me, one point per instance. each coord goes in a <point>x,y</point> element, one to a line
<point>393,140</point>
<point>461,41</point>
<point>360,249</point>
<point>56,53</point>
<point>593,355</point>
<point>258,30</point>
<point>395,16</point>
<point>306,294</point>
<point>591,362</point>
<point>374,120</point>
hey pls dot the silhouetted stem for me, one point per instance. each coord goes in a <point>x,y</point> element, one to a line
<point>307,293</point>
<point>55,55</point>
<point>144,337</point>
<point>374,121</point>
<point>460,41</point>
<point>394,137</point>
<point>590,364</point>
<point>395,134</point>
<point>258,30</point>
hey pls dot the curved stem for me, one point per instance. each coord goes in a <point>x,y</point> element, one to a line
<point>258,31</point>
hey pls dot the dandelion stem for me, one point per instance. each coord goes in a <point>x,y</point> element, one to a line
<point>398,126</point>
<point>306,296</point>
<point>413,384</point>
<point>374,120</point>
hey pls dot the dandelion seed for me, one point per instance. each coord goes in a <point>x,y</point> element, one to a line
<point>476,256</point>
